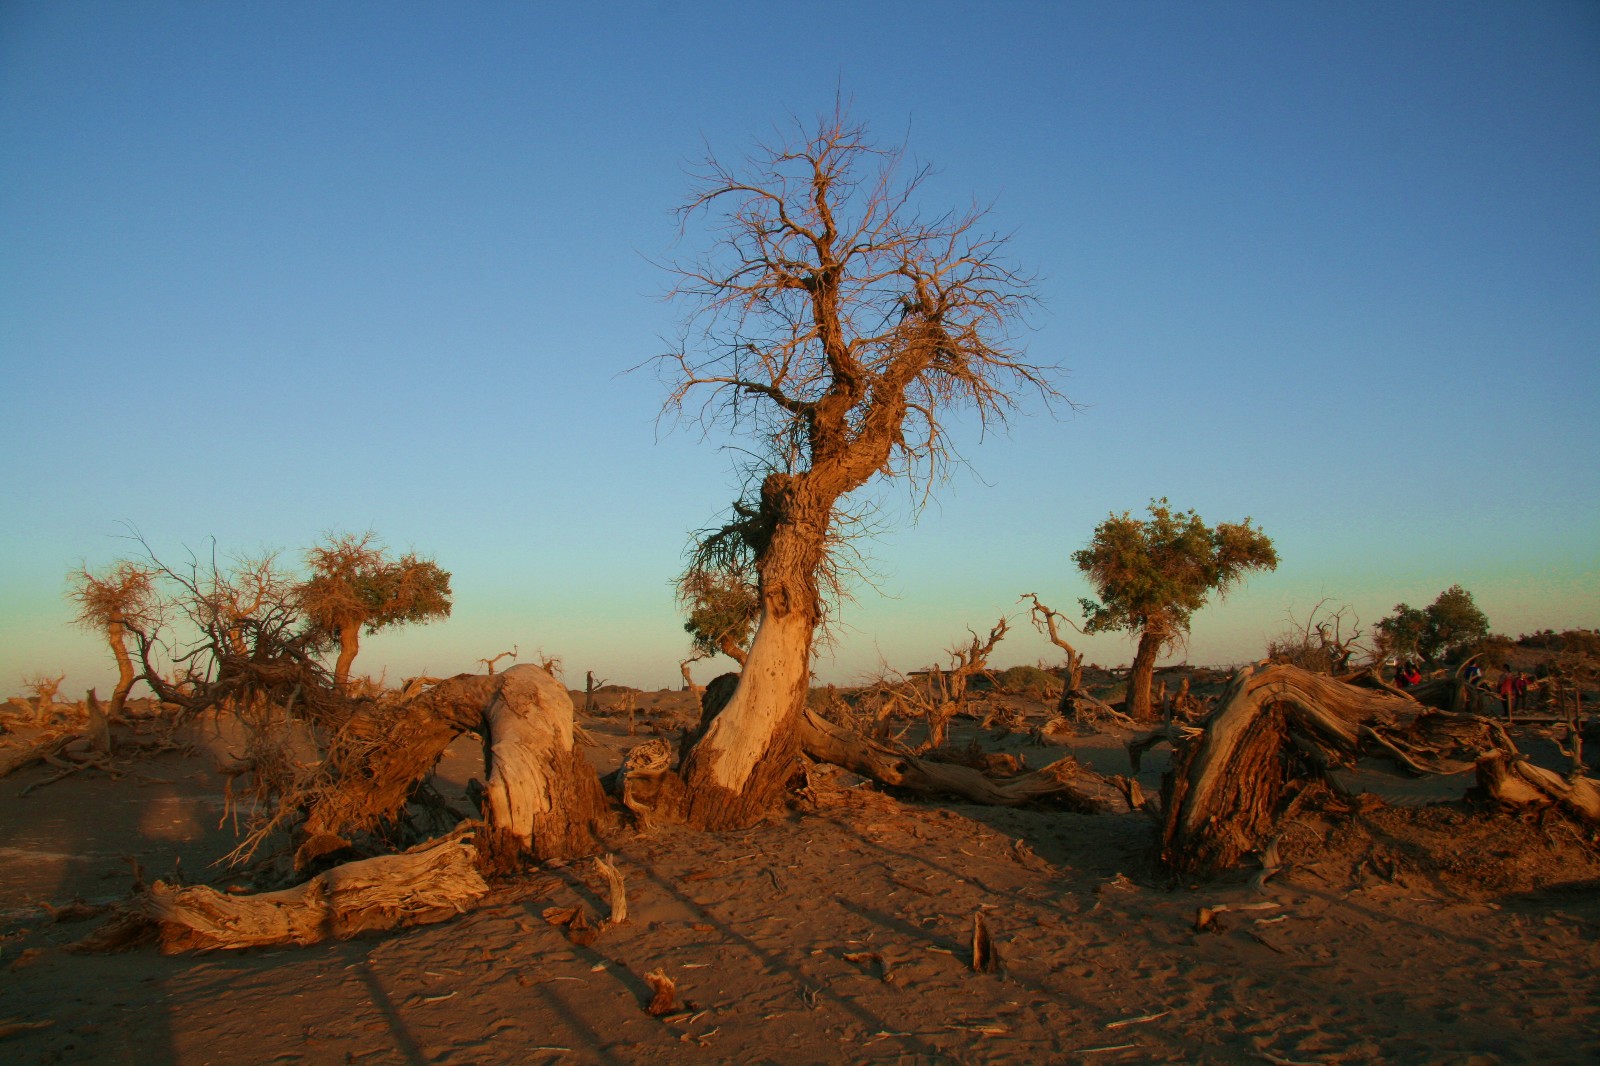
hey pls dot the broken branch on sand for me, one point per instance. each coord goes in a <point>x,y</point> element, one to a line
<point>1065,779</point>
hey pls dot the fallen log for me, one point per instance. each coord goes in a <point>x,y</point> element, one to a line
<point>430,883</point>
<point>1065,779</point>
<point>16,758</point>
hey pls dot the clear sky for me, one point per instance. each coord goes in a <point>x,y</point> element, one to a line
<point>273,269</point>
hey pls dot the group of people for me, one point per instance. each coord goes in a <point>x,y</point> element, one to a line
<point>1407,674</point>
<point>1512,687</point>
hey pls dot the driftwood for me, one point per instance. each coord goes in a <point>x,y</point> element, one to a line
<point>427,884</point>
<point>17,758</point>
<point>1512,780</point>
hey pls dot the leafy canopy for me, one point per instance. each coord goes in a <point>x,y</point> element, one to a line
<point>354,582</point>
<point>722,607</point>
<point>1447,626</point>
<point>1151,575</point>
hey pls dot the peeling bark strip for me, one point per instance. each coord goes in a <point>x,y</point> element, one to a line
<point>424,885</point>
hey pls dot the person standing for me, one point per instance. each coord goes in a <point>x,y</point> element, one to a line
<point>1508,690</point>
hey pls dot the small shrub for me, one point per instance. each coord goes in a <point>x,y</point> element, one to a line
<point>1030,682</point>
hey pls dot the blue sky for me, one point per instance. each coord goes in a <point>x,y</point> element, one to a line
<point>268,270</point>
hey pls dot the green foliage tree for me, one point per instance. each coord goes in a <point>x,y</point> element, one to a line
<point>722,608</point>
<point>356,585</point>
<point>1152,575</point>
<point>1443,629</point>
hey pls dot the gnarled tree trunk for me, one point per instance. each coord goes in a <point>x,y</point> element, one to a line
<point>1140,674</point>
<point>116,636</point>
<point>737,769</point>
<point>735,774</point>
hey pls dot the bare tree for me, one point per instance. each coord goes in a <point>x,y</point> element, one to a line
<point>43,688</point>
<point>948,687</point>
<point>109,602</point>
<point>1048,622</point>
<point>842,330</point>
<point>489,663</point>
<point>1318,645</point>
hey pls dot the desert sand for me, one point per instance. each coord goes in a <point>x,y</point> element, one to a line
<point>1405,927</point>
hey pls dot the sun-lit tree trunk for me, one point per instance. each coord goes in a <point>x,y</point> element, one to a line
<point>738,768</point>
<point>117,637</point>
<point>349,645</point>
<point>1140,674</point>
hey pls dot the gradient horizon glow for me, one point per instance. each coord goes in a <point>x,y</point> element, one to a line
<point>274,269</point>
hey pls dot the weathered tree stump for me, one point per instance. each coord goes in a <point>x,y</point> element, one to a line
<point>1222,796</point>
<point>542,797</point>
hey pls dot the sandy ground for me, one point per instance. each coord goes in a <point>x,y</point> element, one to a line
<point>839,932</point>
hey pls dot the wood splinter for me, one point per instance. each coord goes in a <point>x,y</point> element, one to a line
<point>983,957</point>
<point>618,894</point>
<point>666,993</point>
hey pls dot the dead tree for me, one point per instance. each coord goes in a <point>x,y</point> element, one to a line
<point>1076,702</point>
<point>688,679</point>
<point>430,883</point>
<point>948,687</point>
<point>844,329</point>
<point>488,664</point>
<point>43,689</point>
<point>1226,784</point>
<point>1319,645</point>
<point>1064,780</point>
